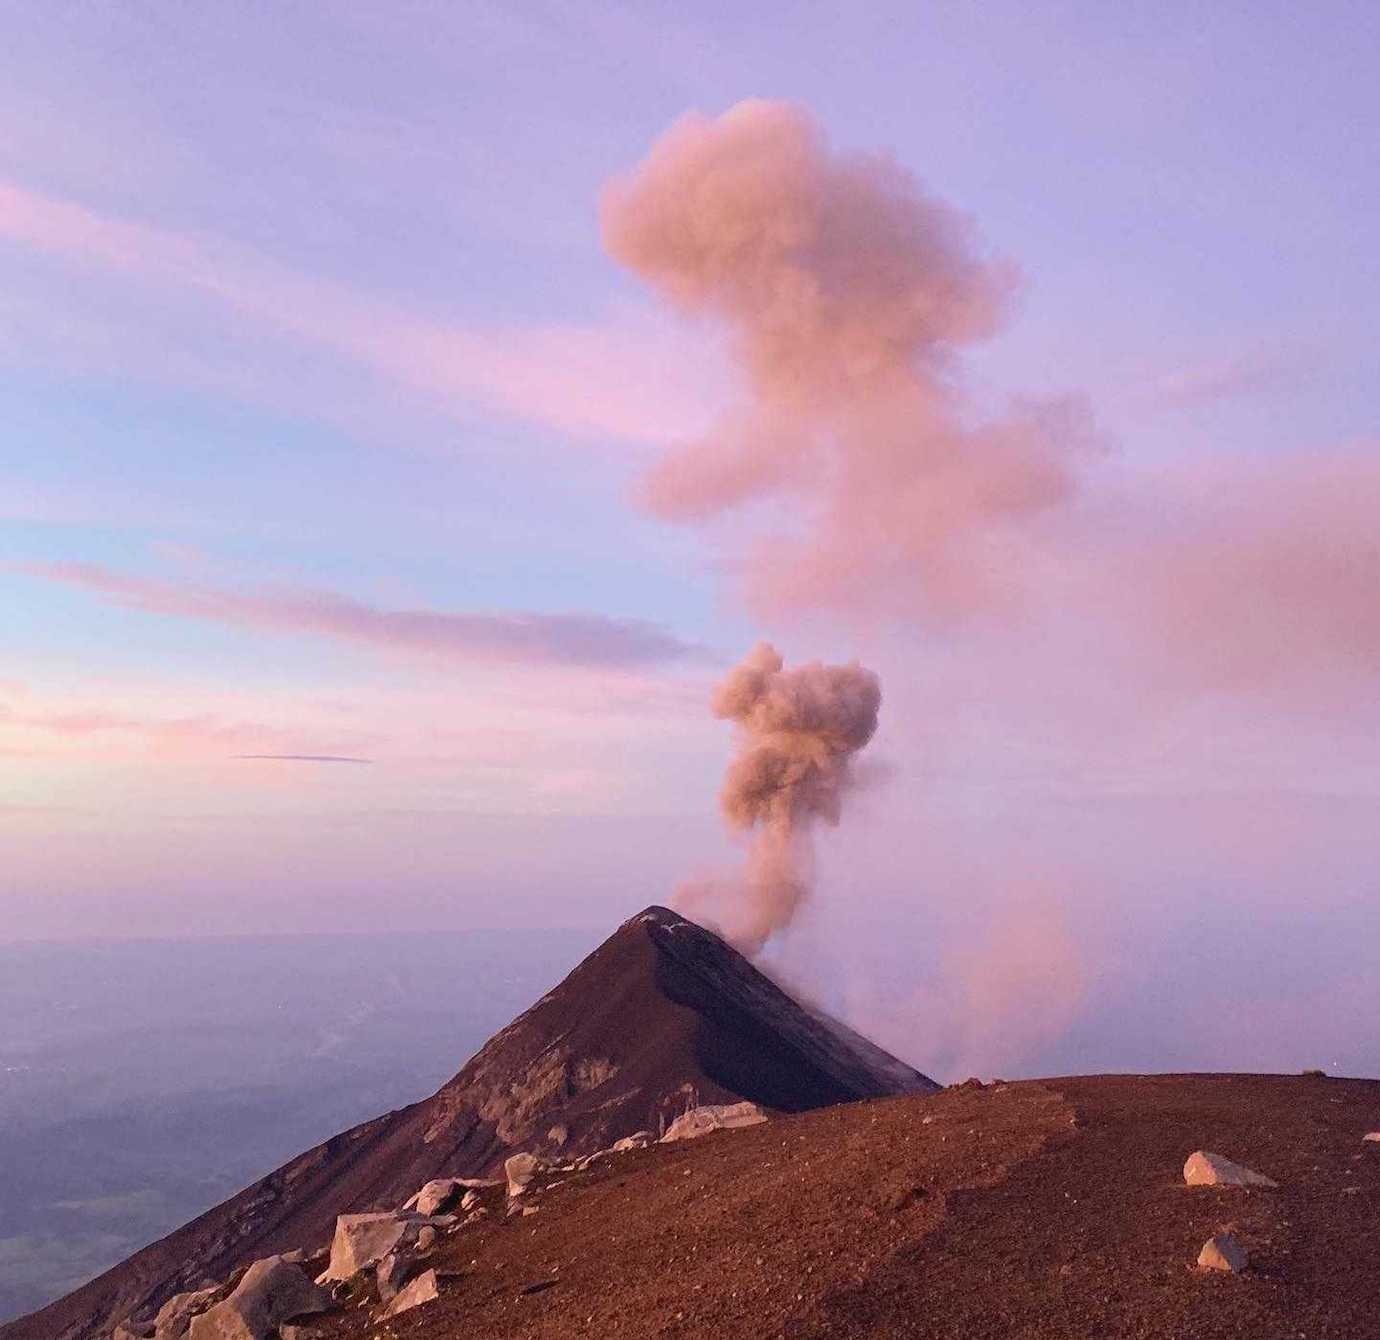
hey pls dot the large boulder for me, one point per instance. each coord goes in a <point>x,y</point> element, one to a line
<point>175,1316</point>
<point>363,1240</point>
<point>271,1292</point>
<point>421,1290</point>
<point>1223,1252</point>
<point>701,1120</point>
<point>1207,1169</point>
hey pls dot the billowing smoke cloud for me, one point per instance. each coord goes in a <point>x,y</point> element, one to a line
<point>1169,642</point>
<point>798,732</point>
<point>848,291</point>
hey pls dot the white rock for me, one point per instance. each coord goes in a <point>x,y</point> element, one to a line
<point>1223,1252</point>
<point>435,1196</point>
<point>520,1169</point>
<point>420,1290</point>
<point>445,1188</point>
<point>468,1201</point>
<point>701,1120</point>
<point>637,1140</point>
<point>1207,1169</point>
<point>271,1292</point>
<point>1372,1135</point>
<point>363,1240</point>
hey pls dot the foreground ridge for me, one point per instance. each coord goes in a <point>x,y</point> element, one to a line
<point>1026,1211</point>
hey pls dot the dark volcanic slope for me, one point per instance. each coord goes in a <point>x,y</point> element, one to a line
<point>662,1016</point>
<point>1031,1211</point>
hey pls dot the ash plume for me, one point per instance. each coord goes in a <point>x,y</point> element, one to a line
<point>798,732</point>
<point>1178,639</point>
<point>848,292</point>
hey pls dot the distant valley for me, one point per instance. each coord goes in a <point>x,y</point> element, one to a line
<point>142,1082</point>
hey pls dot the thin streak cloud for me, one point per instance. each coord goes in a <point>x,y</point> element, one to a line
<point>589,640</point>
<point>302,758</point>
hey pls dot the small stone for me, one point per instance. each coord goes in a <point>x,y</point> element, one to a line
<point>390,1275</point>
<point>1223,1252</point>
<point>1206,1169</point>
<point>436,1195</point>
<point>1372,1136</point>
<point>426,1238</point>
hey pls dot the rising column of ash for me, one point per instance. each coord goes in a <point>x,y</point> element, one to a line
<point>798,731</point>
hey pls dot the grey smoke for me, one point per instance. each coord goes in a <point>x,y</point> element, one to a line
<point>799,731</point>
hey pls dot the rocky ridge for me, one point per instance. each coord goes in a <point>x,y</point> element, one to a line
<point>664,1017</point>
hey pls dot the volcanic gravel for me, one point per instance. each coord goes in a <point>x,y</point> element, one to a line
<point>1053,1210</point>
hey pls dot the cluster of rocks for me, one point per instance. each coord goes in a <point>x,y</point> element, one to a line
<point>521,1171</point>
<point>1222,1251</point>
<point>382,1258</point>
<point>252,1304</point>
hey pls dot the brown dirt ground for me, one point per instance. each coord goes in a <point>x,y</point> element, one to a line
<point>1054,1210</point>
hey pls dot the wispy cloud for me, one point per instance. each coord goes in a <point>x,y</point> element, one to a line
<point>630,378</point>
<point>538,639</point>
<point>197,733</point>
<point>303,758</point>
<point>1213,380</point>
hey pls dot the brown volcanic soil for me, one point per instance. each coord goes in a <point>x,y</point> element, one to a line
<point>1054,1210</point>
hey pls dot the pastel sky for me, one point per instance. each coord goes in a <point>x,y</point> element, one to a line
<point>330,595</point>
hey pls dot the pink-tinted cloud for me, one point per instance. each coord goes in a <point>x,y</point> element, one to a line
<point>537,639</point>
<point>625,379</point>
<point>1243,574</point>
<point>847,293</point>
<point>199,733</point>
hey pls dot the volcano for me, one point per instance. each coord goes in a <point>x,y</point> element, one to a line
<point>662,1017</point>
